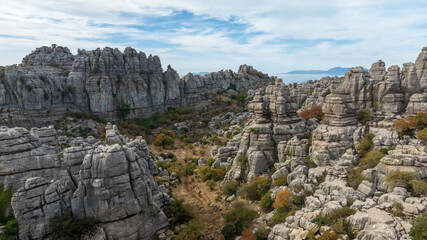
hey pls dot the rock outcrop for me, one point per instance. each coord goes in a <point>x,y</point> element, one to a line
<point>275,120</point>
<point>112,183</point>
<point>51,81</point>
<point>339,130</point>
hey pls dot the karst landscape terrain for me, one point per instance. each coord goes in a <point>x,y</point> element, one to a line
<point>107,144</point>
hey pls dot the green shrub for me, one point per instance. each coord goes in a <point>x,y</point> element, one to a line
<point>419,187</point>
<point>371,159</point>
<point>189,169</point>
<point>5,199</point>
<point>336,220</point>
<point>69,227</point>
<point>186,140</point>
<point>326,93</point>
<point>364,116</point>
<point>256,189</point>
<point>192,231</point>
<point>329,235</point>
<point>397,209</point>
<point>218,174</point>
<point>267,202</point>
<point>205,173</point>
<point>229,231</point>
<point>281,214</point>
<point>181,213</point>
<point>163,140</point>
<point>240,217</point>
<point>419,229</point>
<point>262,233</point>
<point>253,130</point>
<point>229,188</point>
<point>401,177</point>
<point>384,151</point>
<point>422,135</point>
<point>12,227</point>
<point>280,181</point>
<point>242,160</point>
<point>210,162</point>
<point>355,177</point>
<point>310,162</point>
<point>366,144</point>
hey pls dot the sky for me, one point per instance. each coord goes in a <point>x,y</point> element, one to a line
<point>203,36</point>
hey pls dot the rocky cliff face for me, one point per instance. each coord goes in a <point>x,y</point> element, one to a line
<point>51,81</point>
<point>112,183</point>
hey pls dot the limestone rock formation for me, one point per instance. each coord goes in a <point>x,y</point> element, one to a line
<point>113,183</point>
<point>51,81</point>
<point>339,130</point>
<point>275,120</point>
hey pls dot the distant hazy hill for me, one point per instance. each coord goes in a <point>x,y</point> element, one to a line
<point>331,72</point>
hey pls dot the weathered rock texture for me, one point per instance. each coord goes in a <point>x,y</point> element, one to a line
<point>51,81</point>
<point>274,120</point>
<point>113,183</point>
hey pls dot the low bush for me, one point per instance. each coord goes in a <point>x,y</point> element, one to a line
<point>5,199</point>
<point>242,160</point>
<point>181,213</point>
<point>163,140</point>
<point>419,229</point>
<point>397,209</point>
<point>336,220</point>
<point>229,188</point>
<point>262,233</point>
<point>240,217</point>
<point>210,162</point>
<point>329,235</point>
<point>363,116</point>
<point>422,135</point>
<point>69,227</point>
<point>267,202</point>
<point>419,187</point>
<point>400,177</point>
<point>282,180</point>
<point>256,189</point>
<point>371,159</point>
<point>283,199</point>
<point>313,112</point>
<point>366,144</point>
<point>189,168</point>
<point>205,173</point>
<point>218,174</point>
<point>192,231</point>
<point>229,231</point>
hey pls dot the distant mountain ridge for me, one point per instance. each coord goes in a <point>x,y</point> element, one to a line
<point>332,71</point>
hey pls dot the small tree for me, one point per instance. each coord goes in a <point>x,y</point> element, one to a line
<point>283,199</point>
<point>163,140</point>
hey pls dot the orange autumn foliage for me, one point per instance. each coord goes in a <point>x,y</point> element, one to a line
<point>283,199</point>
<point>314,111</point>
<point>247,234</point>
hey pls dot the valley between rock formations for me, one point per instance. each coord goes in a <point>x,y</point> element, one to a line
<point>107,145</point>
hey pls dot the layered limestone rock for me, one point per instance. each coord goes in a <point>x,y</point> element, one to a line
<point>37,202</point>
<point>112,183</point>
<point>357,81</point>
<point>275,120</point>
<point>421,69</point>
<point>51,81</point>
<point>22,156</point>
<point>118,190</point>
<point>411,157</point>
<point>417,103</point>
<point>339,130</point>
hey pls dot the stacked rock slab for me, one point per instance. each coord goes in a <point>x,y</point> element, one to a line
<point>417,104</point>
<point>114,184</point>
<point>22,156</point>
<point>411,157</point>
<point>51,81</point>
<point>275,119</point>
<point>339,130</point>
<point>421,69</point>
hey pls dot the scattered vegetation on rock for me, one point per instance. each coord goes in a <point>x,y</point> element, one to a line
<point>256,189</point>
<point>69,227</point>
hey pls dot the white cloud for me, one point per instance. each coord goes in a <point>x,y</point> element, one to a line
<point>393,30</point>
